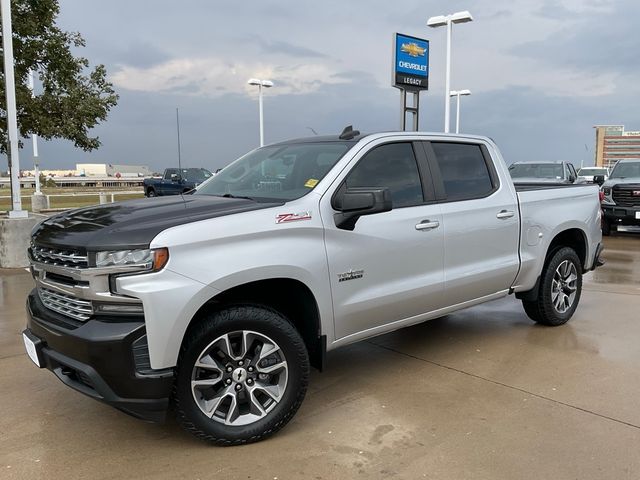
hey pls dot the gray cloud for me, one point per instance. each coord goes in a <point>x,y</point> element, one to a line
<point>605,41</point>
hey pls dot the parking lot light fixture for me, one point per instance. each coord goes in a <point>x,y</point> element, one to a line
<point>260,84</point>
<point>448,21</point>
<point>458,94</point>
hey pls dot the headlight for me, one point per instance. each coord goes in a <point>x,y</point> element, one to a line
<point>146,259</point>
<point>607,191</point>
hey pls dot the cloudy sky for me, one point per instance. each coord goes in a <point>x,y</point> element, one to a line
<point>542,73</point>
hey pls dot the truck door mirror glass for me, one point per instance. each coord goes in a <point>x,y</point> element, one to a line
<point>599,179</point>
<point>353,203</point>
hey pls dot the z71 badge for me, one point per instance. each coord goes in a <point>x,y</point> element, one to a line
<point>293,217</point>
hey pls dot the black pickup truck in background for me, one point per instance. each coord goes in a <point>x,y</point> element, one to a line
<point>175,181</point>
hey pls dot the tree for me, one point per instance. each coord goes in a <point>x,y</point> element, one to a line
<point>73,98</point>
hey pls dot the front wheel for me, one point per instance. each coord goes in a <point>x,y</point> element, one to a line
<point>241,376</point>
<point>560,289</point>
<point>151,193</point>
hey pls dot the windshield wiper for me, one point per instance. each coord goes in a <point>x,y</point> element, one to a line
<point>231,195</point>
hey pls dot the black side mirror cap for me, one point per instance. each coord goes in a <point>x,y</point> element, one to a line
<point>352,203</point>
<point>599,179</point>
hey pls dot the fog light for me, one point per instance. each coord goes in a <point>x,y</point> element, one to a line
<point>119,308</point>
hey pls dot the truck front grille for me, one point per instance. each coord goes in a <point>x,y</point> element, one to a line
<point>65,258</point>
<point>66,304</point>
<point>626,196</point>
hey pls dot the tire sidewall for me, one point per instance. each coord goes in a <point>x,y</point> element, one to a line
<point>555,317</point>
<point>274,326</point>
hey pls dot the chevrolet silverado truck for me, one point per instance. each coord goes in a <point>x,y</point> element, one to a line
<point>219,302</point>
<point>621,196</point>
<point>175,181</point>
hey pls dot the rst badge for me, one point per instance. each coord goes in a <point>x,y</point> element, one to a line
<point>350,275</point>
<point>293,217</point>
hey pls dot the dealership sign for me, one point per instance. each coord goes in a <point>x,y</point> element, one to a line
<point>410,62</point>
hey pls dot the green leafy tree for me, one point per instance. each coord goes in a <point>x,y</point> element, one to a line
<point>72,98</point>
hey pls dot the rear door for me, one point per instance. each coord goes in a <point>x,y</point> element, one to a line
<point>389,268</point>
<point>480,219</point>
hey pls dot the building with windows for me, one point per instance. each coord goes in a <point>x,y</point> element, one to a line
<point>110,170</point>
<point>613,143</point>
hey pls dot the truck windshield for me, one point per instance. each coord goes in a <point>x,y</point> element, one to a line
<point>592,171</point>
<point>536,170</point>
<point>277,172</point>
<point>626,169</point>
<point>197,175</point>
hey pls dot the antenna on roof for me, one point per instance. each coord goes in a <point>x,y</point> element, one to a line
<point>349,133</point>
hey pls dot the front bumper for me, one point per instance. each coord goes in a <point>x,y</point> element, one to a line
<point>621,215</point>
<point>106,359</point>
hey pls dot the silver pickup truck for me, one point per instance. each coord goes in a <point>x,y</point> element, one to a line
<point>218,302</point>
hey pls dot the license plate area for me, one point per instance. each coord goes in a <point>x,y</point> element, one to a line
<point>638,215</point>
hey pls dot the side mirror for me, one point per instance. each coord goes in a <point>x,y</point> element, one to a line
<point>353,203</point>
<point>599,179</point>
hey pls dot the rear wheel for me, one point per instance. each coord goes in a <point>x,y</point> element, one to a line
<point>560,289</point>
<point>242,375</point>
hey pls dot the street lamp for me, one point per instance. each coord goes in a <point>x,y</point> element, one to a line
<point>260,84</point>
<point>457,94</point>
<point>447,21</point>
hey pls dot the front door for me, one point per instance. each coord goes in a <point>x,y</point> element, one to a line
<point>389,268</point>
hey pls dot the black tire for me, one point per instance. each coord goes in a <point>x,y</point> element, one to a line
<point>542,310</point>
<point>151,192</point>
<point>606,227</point>
<point>264,321</point>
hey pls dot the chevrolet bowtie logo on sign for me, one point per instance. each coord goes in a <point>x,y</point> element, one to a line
<point>411,62</point>
<point>413,49</point>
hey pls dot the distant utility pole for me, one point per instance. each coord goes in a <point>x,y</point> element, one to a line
<point>34,141</point>
<point>178,128</point>
<point>12,121</point>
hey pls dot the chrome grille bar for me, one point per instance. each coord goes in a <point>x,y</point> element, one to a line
<point>67,258</point>
<point>66,304</point>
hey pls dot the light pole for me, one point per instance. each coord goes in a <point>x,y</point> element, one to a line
<point>260,84</point>
<point>448,21</point>
<point>457,94</point>
<point>12,121</point>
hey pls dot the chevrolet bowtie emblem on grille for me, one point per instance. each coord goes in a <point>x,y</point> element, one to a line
<point>413,50</point>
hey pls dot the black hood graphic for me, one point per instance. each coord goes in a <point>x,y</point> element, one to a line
<point>134,223</point>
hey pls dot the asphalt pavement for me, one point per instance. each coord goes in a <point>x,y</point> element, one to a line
<point>480,394</point>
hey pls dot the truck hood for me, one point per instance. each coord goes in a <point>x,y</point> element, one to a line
<point>134,223</point>
<point>621,181</point>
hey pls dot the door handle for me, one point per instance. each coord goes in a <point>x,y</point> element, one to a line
<point>427,225</point>
<point>505,214</point>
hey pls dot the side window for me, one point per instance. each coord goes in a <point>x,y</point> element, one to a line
<point>463,170</point>
<point>170,172</point>
<point>393,166</point>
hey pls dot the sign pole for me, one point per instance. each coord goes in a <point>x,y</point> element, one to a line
<point>12,122</point>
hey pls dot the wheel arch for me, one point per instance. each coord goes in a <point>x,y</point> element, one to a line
<point>575,238</point>
<point>290,297</point>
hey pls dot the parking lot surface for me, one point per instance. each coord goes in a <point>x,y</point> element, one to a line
<point>481,394</point>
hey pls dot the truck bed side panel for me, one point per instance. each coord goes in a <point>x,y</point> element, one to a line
<point>546,212</point>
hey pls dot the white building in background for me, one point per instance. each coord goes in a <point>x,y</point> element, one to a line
<point>111,170</point>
